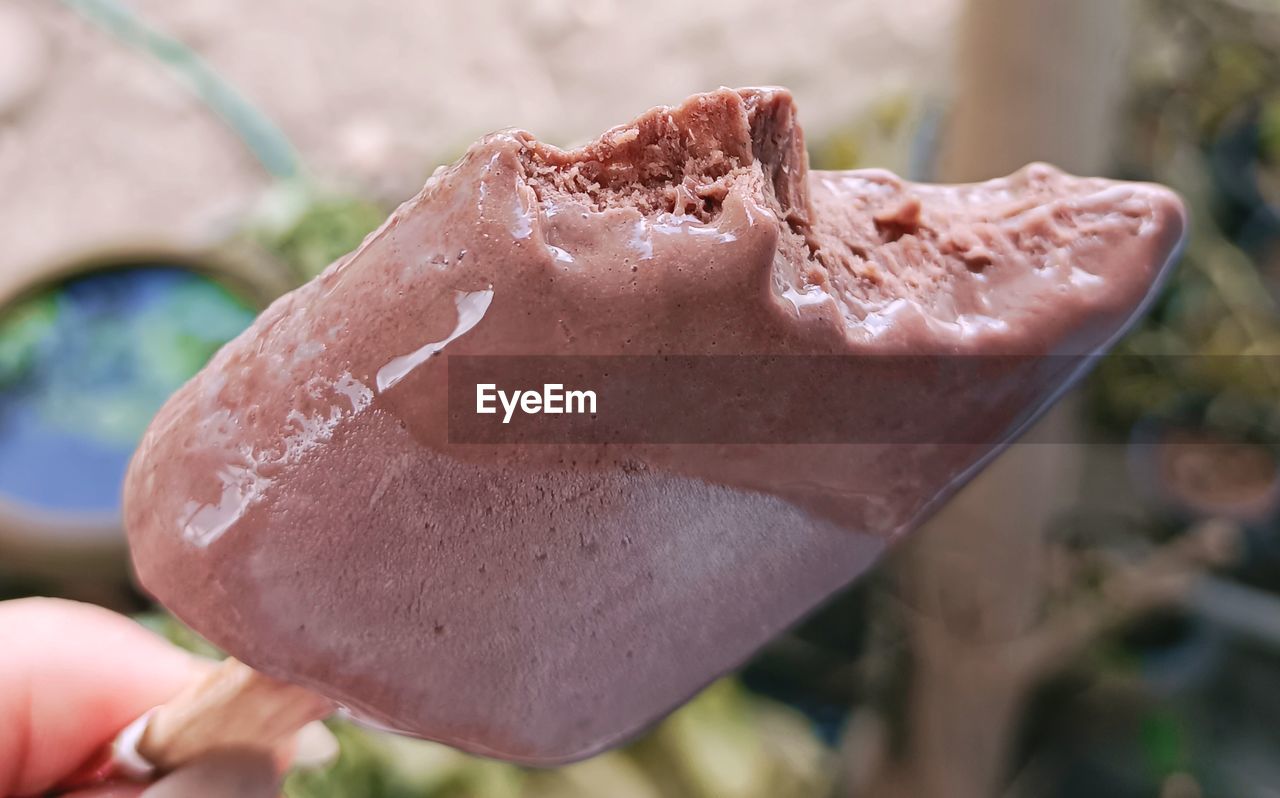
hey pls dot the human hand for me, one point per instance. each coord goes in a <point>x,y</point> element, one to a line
<point>71,677</point>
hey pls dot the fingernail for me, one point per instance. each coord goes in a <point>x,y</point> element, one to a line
<point>315,746</point>
<point>233,773</point>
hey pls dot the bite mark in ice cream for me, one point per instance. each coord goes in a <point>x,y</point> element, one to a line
<point>300,503</point>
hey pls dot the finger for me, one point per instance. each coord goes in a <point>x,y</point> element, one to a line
<point>71,676</point>
<point>243,773</point>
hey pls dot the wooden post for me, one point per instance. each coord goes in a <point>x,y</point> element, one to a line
<point>1037,80</point>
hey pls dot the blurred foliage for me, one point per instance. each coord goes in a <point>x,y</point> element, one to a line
<point>883,137</point>
<point>308,229</point>
<point>1164,742</point>
<point>726,743</point>
<point>22,328</point>
<point>178,633</point>
<point>100,353</point>
<point>1204,121</point>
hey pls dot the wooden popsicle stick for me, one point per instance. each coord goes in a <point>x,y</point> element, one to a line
<point>233,707</point>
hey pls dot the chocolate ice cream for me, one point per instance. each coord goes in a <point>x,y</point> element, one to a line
<point>301,503</point>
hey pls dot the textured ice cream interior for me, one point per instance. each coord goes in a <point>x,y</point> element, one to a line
<point>948,249</point>
<point>683,160</point>
<point>877,245</point>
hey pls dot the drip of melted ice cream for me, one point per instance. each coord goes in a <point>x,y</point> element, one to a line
<point>300,505</point>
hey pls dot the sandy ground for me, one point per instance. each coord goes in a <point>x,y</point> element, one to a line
<point>99,148</point>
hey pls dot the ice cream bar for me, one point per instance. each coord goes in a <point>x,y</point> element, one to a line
<point>301,504</point>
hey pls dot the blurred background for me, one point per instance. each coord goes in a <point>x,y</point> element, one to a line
<point>1094,620</point>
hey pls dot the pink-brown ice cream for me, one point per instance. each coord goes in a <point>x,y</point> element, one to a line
<point>300,503</point>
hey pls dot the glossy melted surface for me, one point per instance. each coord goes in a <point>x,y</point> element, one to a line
<point>299,504</point>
